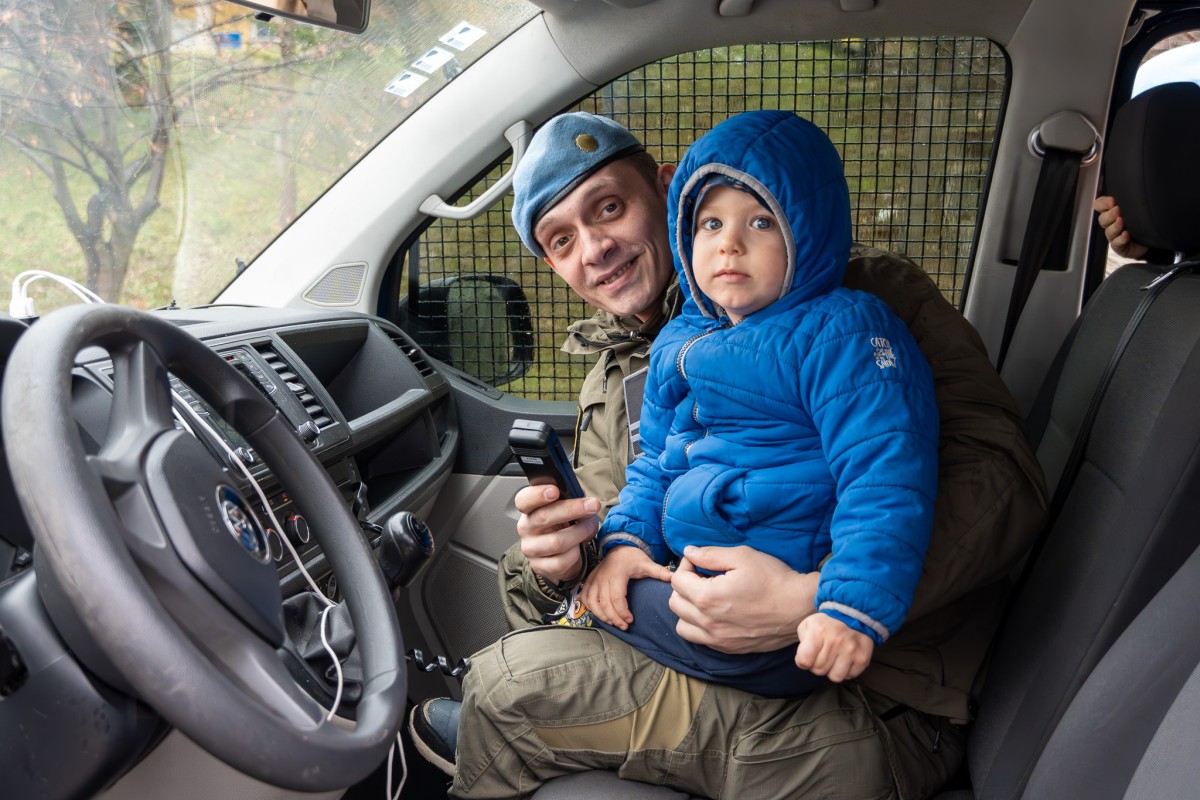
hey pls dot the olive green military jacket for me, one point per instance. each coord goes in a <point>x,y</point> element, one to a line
<point>990,506</point>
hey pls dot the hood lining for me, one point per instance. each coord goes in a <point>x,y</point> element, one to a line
<point>685,256</point>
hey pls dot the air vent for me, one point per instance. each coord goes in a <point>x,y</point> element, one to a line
<point>413,353</point>
<point>311,404</point>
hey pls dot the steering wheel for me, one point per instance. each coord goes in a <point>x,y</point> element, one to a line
<point>155,573</point>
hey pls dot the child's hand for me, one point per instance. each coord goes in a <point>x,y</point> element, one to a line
<point>832,648</point>
<point>604,593</point>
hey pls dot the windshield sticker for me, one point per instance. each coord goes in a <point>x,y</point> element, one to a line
<point>462,36</point>
<point>405,84</point>
<point>432,60</point>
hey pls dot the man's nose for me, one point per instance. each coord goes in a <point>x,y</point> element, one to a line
<point>597,246</point>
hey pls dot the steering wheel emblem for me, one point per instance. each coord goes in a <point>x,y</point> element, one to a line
<point>242,525</point>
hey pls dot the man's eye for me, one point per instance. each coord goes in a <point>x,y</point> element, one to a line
<point>710,224</point>
<point>762,223</point>
<point>609,208</point>
<point>560,243</point>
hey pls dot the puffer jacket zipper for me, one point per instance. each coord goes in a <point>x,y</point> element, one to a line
<point>688,345</point>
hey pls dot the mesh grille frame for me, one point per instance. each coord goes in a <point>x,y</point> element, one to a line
<point>914,119</point>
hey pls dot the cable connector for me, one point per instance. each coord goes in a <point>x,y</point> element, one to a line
<point>20,305</point>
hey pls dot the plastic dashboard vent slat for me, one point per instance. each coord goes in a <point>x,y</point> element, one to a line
<point>412,352</point>
<point>288,375</point>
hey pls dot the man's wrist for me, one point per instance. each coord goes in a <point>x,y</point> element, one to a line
<point>558,590</point>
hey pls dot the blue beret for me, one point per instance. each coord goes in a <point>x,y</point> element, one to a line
<point>563,154</point>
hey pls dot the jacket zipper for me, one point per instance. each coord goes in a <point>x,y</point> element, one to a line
<point>695,408</point>
<point>688,344</point>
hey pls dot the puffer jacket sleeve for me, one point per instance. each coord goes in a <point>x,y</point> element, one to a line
<point>637,518</point>
<point>870,394</point>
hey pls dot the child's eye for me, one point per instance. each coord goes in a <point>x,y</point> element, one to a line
<point>710,224</point>
<point>762,223</point>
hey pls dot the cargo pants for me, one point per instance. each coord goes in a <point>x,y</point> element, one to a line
<point>551,700</point>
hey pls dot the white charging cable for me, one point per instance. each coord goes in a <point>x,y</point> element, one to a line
<point>21,304</point>
<point>398,747</point>
<point>329,604</point>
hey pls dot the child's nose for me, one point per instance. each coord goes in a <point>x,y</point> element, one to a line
<point>731,241</point>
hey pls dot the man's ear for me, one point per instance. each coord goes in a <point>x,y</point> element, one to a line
<point>665,173</point>
<point>551,263</point>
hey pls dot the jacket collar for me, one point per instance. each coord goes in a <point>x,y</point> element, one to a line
<point>604,330</point>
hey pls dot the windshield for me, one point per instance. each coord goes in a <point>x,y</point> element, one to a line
<point>150,148</point>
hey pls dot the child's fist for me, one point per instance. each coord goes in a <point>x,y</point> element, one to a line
<point>832,648</point>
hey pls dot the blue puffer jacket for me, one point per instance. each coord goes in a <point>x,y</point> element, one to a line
<point>807,430</point>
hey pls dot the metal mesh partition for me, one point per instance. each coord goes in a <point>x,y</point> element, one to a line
<point>914,120</point>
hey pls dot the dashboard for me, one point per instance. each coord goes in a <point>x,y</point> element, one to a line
<point>357,390</point>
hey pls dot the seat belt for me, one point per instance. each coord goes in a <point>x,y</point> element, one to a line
<point>1075,459</point>
<point>1064,142</point>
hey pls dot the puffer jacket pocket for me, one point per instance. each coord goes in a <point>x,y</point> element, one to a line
<point>707,506</point>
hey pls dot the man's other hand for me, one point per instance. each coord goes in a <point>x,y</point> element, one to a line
<point>1113,223</point>
<point>551,531</point>
<point>753,606</point>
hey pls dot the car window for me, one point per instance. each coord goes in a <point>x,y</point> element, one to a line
<point>915,120</point>
<point>149,150</point>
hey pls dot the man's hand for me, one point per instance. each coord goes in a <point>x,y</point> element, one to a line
<point>1114,229</point>
<point>606,592</point>
<point>754,606</point>
<point>832,648</point>
<point>548,538</point>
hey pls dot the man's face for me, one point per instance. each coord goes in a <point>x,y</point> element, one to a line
<point>608,239</point>
<point>738,254</point>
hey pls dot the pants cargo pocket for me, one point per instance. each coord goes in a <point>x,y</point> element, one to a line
<point>825,745</point>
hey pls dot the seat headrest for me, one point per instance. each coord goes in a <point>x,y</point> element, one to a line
<point>1153,166</point>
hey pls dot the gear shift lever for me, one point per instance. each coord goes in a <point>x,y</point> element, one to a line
<point>404,548</point>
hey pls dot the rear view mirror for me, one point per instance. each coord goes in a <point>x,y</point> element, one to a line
<point>479,324</point>
<point>344,15</point>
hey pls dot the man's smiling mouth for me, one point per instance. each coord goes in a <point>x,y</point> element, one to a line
<point>617,274</point>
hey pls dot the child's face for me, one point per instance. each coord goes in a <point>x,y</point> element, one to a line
<point>738,254</point>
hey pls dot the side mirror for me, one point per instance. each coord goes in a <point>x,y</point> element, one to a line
<point>344,15</point>
<point>479,324</point>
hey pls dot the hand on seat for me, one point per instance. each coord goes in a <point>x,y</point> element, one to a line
<point>1114,228</point>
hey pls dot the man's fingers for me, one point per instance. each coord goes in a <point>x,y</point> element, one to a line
<point>531,498</point>
<point>693,633</point>
<point>556,515</point>
<point>714,559</point>
<point>1104,203</point>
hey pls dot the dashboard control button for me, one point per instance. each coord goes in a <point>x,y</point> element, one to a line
<point>275,543</point>
<point>296,528</point>
<point>308,431</point>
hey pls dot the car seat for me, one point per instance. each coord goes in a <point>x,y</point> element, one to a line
<point>1128,520</point>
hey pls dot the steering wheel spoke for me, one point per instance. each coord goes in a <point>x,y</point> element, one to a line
<point>141,411</point>
<point>252,664</point>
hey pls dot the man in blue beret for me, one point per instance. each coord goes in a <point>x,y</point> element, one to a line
<point>592,203</point>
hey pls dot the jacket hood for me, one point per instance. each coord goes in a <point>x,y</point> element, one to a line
<point>791,164</point>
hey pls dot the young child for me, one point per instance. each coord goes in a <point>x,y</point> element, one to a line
<point>781,412</point>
